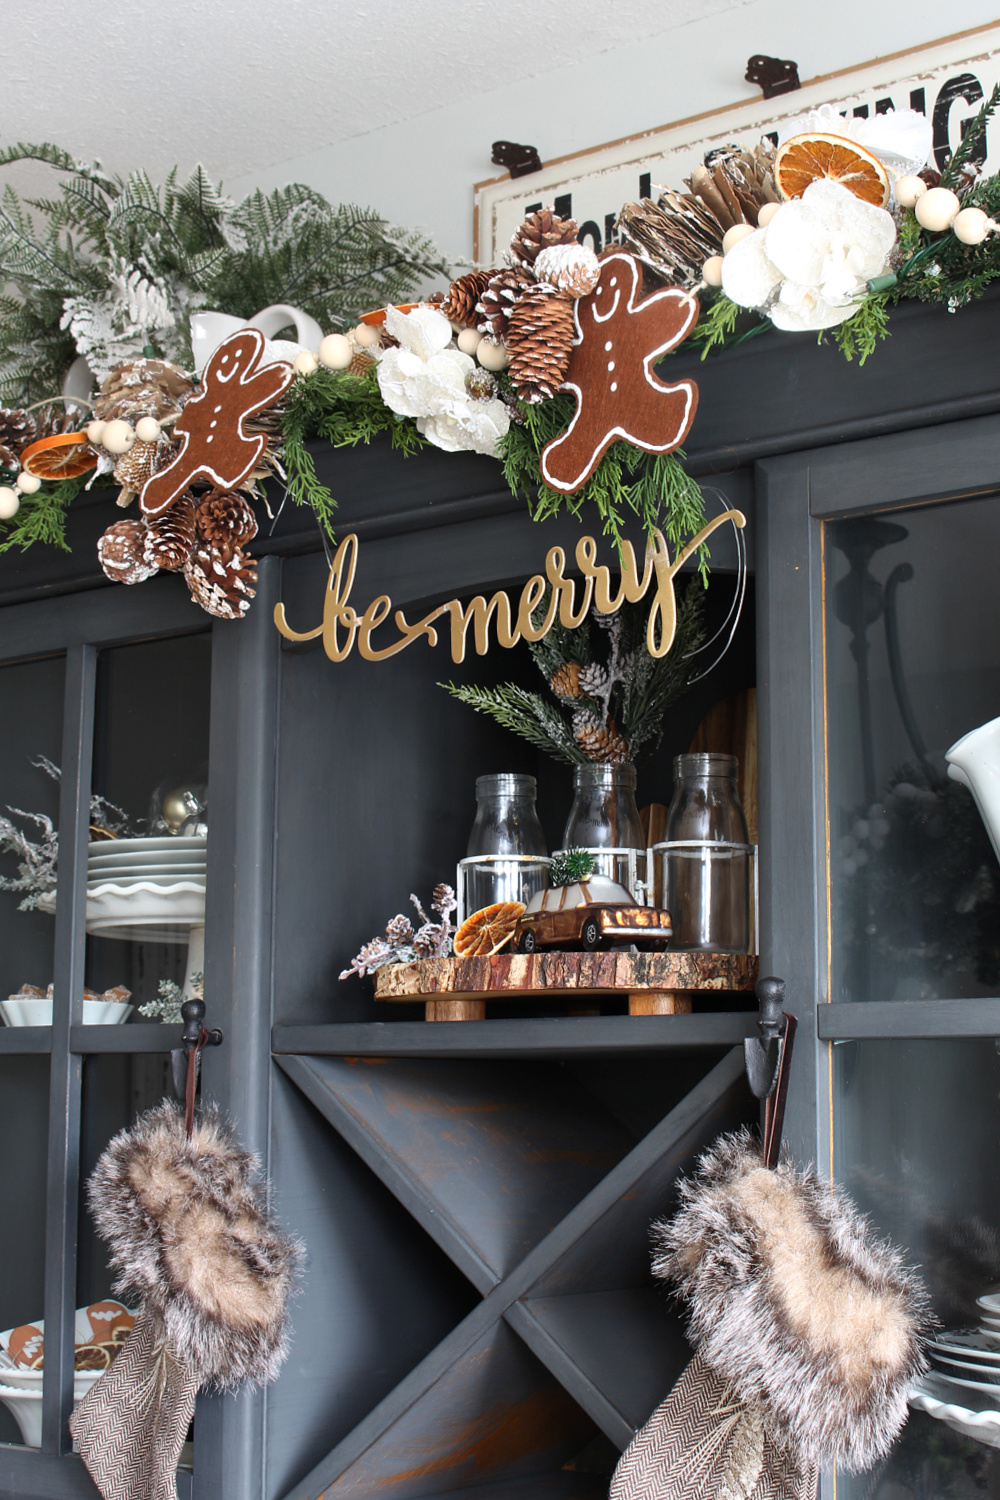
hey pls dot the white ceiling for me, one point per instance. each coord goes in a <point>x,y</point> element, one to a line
<point>242,85</point>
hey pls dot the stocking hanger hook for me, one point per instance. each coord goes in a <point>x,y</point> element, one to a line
<point>768,1060</point>
<point>185,1058</point>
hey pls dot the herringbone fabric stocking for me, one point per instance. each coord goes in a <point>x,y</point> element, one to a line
<point>131,1424</point>
<point>703,1443</point>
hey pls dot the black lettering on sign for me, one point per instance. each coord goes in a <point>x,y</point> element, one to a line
<point>861,112</point>
<point>532,208</point>
<point>772,136</point>
<point>918,101</point>
<point>610,237</point>
<point>644,184</point>
<point>590,231</point>
<point>883,106</point>
<point>966,86</point>
<point>564,205</point>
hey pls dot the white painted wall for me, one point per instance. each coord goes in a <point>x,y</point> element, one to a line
<point>422,171</point>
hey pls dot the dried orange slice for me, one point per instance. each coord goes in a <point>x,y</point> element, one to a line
<point>62,456</point>
<point>488,930</point>
<point>810,158</point>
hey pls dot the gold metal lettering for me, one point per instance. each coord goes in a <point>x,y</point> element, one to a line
<point>339,615</point>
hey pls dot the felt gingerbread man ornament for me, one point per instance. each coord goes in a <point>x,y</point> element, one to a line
<point>618,340</point>
<point>213,443</point>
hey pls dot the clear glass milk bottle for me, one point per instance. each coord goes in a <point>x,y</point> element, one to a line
<point>604,820</point>
<point>506,859</point>
<point>706,861</point>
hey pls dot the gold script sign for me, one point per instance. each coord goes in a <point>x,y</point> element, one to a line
<point>342,625</point>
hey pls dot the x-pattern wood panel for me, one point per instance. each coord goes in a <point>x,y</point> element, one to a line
<point>569,1276</point>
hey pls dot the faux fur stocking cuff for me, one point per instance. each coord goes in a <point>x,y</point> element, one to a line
<point>190,1235</point>
<point>795,1303</point>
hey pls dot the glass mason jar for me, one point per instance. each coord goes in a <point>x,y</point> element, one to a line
<point>706,862</point>
<point>506,859</point>
<point>604,820</point>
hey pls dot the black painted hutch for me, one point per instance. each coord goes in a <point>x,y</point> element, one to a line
<point>477,1317</point>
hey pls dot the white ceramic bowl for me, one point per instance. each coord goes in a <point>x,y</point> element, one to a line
<point>26,1406</point>
<point>143,846</point>
<point>989,1304</point>
<point>966,1417</point>
<point>39,1013</point>
<point>127,884</point>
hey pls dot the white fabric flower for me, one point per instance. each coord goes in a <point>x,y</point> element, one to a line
<point>425,378</point>
<point>809,268</point>
<point>900,138</point>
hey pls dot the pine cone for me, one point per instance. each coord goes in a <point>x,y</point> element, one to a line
<point>136,466</point>
<point>538,231</point>
<point>17,430</point>
<point>222,586</point>
<point>362,363</point>
<point>170,536</point>
<point>463,297</point>
<point>540,341</point>
<point>593,679</point>
<point>225,522</point>
<point>605,746</point>
<point>399,930</point>
<point>54,418</point>
<point>673,237</point>
<point>121,552</point>
<point>565,681</point>
<point>142,388</point>
<point>481,385</point>
<point>736,184</point>
<point>500,296</point>
<point>574,269</point>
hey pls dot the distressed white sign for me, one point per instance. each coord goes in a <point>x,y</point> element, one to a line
<point>947,81</point>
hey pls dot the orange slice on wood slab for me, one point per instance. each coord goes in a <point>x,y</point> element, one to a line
<point>62,456</point>
<point>804,159</point>
<point>488,930</point>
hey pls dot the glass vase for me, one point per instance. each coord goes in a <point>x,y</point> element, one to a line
<point>506,859</point>
<point>604,820</point>
<point>706,861</point>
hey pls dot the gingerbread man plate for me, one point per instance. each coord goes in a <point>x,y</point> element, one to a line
<point>214,445</point>
<point>618,340</point>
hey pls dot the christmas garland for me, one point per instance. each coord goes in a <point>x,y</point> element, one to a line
<point>827,231</point>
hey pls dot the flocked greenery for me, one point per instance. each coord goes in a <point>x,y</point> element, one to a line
<point>109,266</point>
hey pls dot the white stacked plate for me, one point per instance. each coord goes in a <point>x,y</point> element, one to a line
<point>151,890</point>
<point>963,1386</point>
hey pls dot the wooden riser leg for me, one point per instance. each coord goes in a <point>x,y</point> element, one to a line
<point>455,1010</point>
<point>659,1003</point>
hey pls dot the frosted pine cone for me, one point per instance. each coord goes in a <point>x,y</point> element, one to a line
<point>606,746</point>
<point>425,940</point>
<point>225,521</point>
<point>593,679</point>
<point>569,268</point>
<point>463,297</point>
<point>170,536</point>
<point>17,430</point>
<point>538,232</point>
<point>443,899</point>
<point>481,385</point>
<point>399,931</point>
<point>565,681</point>
<point>135,467</point>
<point>500,296</point>
<point>540,341</point>
<point>122,555</point>
<point>222,586</point>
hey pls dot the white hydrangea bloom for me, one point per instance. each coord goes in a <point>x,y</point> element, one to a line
<point>425,378</point>
<point>809,268</point>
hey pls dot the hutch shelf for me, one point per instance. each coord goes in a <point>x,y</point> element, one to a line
<point>477,1317</point>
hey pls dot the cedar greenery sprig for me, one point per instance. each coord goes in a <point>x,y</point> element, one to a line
<point>42,517</point>
<point>570,866</point>
<point>653,487</point>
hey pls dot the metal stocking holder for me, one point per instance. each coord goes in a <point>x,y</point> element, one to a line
<point>768,1059</point>
<point>185,1059</point>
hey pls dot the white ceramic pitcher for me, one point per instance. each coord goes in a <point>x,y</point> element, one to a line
<point>208,329</point>
<point>974,760</point>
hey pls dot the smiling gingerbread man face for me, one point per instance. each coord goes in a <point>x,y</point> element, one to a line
<point>213,443</point>
<point>618,340</point>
